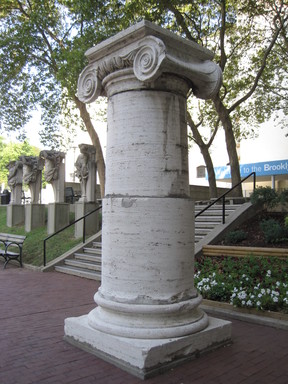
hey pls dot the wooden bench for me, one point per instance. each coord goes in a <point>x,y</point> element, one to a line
<point>11,247</point>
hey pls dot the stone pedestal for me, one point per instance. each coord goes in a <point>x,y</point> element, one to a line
<point>147,315</point>
<point>58,216</point>
<point>34,216</point>
<point>91,221</point>
<point>15,215</point>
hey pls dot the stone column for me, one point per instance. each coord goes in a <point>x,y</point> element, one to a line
<point>54,173</point>
<point>32,176</point>
<point>148,313</point>
<point>86,173</point>
<point>15,210</point>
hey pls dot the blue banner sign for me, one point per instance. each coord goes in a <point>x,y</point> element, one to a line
<point>267,168</point>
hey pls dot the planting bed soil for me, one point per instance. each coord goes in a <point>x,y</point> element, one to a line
<point>254,234</point>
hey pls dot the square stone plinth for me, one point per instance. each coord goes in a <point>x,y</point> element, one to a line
<point>146,358</point>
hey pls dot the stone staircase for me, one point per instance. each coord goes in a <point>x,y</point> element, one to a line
<point>87,262</point>
<point>207,221</point>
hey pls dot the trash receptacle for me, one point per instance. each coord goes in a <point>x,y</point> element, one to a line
<point>5,197</point>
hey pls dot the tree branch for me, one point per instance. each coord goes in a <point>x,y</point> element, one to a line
<point>260,72</point>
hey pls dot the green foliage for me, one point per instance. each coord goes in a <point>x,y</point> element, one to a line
<point>42,52</point>
<point>286,222</point>
<point>235,237</point>
<point>255,282</point>
<point>264,195</point>
<point>283,197</point>
<point>12,151</point>
<point>273,231</point>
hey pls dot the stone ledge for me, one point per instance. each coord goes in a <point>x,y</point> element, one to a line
<point>272,319</point>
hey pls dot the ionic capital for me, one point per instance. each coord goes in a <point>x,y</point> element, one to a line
<point>150,51</point>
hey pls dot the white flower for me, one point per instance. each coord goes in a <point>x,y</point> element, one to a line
<point>258,303</point>
<point>260,295</point>
<point>275,299</point>
<point>242,295</point>
<point>249,303</point>
<point>268,274</point>
<point>243,302</point>
<point>263,291</point>
<point>278,283</point>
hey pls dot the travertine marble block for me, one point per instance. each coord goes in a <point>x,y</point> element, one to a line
<point>147,301</point>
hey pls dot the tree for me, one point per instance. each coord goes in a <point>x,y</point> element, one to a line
<point>248,39</point>
<point>11,151</point>
<point>42,47</point>
<point>42,52</point>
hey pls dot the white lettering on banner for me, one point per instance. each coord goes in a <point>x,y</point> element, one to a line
<point>278,167</point>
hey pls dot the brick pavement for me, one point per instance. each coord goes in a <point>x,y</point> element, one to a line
<point>33,306</point>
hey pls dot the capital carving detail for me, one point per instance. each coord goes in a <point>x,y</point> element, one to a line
<point>149,57</point>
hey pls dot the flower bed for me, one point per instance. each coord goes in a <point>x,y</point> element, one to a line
<point>251,282</point>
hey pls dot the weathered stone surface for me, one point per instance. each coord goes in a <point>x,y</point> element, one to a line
<point>54,172</point>
<point>32,175</point>
<point>86,172</point>
<point>147,312</point>
<point>146,358</point>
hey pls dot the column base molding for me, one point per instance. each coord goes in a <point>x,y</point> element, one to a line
<point>146,358</point>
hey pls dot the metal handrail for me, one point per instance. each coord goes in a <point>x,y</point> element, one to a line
<point>225,194</point>
<point>67,226</point>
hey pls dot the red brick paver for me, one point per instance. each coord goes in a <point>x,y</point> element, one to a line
<point>33,306</point>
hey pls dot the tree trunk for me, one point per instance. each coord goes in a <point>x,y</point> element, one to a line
<point>100,163</point>
<point>223,114</point>
<point>210,171</point>
<point>204,148</point>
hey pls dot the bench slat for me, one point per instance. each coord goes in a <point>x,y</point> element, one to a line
<point>11,240</point>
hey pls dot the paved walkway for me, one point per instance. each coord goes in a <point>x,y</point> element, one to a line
<point>33,306</point>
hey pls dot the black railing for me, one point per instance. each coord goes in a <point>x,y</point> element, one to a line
<point>67,226</point>
<point>225,194</point>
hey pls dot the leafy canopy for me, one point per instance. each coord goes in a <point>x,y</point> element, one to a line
<point>42,52</point>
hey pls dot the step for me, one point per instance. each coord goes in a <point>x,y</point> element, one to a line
<point>206,224</point>
<point>217,208</point>
<point>77,272</point>
<point>201,232</point>
<point>88,257</point>
<point>211,219</point>
<point>198,238</point>
<point>97,244</point>
<point>96,251</point>
<point>83,265</point>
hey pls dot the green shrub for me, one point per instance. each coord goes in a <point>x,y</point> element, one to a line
<point>286,222</point>
<point>264,195</point>
<point>273,231</point>
<point>235,237</point>
<point>283,197</point>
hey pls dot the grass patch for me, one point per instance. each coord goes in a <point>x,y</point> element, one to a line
<point>33,245</point>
